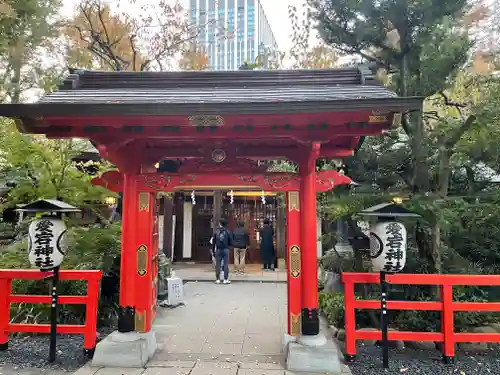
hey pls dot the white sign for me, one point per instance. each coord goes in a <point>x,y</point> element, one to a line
<point>46,238</point>
<point>388,246</point>
<point>175,291</point>
<point>160,231</point>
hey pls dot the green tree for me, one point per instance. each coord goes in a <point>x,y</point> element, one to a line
<point>28,29</point>
<point>420,47</point>
<point>39,168</point>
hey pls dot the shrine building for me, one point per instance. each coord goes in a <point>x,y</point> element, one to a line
<point>201,136</point>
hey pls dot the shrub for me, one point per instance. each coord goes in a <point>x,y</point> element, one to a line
<point>90,249</point>
<point>332,305</point>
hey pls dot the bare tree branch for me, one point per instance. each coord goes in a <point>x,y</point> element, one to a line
<point>449,103</point>
<point>91,47</point>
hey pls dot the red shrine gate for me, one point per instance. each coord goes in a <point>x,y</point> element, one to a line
<point>213,127</point>
<point>140,232</point>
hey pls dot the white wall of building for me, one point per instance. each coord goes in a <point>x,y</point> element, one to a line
<point>187,243</point>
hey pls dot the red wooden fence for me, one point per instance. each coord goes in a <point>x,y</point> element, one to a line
<point>446,306</point>
<point>88,330</point>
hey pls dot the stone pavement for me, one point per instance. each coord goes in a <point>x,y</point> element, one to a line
<point>8,370</point>
<point>237,322</point>
<point>205,272</point>
<point>232,329</point>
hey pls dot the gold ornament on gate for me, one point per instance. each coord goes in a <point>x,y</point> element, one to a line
<point>378,117</point>
<point>206,120</point>
<point>143,202</point>
<point>142,260</point>
<point>218,155</point>
<point>295,324</point>
<point>295,264</point>
<point>293,201</point>
<point>140,321</point>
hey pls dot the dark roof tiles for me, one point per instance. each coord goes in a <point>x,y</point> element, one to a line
<point>93,93</point>
<point>219,87</point>
<point>219,95</point>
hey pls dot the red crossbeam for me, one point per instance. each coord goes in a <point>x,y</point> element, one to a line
<point>446,306</point>
<point>88,330</point>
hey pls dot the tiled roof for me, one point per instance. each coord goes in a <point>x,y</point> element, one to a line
<point>85,79</point>
<point>218,87</point>
<point>91,93</point>
<point>219,95</point>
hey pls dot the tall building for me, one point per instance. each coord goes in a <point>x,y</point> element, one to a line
<point>231,31</point>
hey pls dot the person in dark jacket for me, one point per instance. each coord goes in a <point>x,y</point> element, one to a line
<point>222,240</point>
<point>241,241</point>
<point>267,246</point>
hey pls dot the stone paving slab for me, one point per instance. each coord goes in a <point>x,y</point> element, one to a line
<point>205,273</point>
<point>119,371</point>
<point>223,320</point>
<point>8,370</point>
<point>232,329</point>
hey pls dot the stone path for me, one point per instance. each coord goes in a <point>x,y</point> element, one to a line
<point>237,321</point>
<point>204,272</point>
<point>9,370</point>
<point>232,329</point>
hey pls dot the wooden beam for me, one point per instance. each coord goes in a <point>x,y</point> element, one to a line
<point>259,153</point>
<point>316,133</point>
<point>277,182</point>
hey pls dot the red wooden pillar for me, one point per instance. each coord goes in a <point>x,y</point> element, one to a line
<point>146,255</point>
<point>293,262</point>
<point>128,267</point>
<point>309,256</point>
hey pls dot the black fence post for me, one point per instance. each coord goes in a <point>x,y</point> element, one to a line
<point>53,316</point>
<point>384,319</point>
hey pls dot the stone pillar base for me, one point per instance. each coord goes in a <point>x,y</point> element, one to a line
<point>312,341</point>
<point>322,359</point>
<point>125,350</point>
<point>287,339</point>
<point>315,354</point>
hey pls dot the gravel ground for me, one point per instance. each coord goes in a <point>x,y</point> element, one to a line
<point>27,352</point>
<point>422,362</point>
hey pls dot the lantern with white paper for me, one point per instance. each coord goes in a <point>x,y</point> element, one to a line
<point>387,236</point>
<point>47,246</point>
<point>388,254</point>
<point>388,246</point>
<point>47,233</point>
<point>47,242</point>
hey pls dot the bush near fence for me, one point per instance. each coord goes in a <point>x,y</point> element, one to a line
<point>90,248</point>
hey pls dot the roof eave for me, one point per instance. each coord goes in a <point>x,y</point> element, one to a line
<point>33,113</point>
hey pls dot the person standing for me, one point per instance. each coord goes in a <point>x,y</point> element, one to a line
<point>267,246</point>
<point>241,242</point>
<point>222,241</point>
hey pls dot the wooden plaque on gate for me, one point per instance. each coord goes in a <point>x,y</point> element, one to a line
<point>143,202</point>
<point>142,260</point>
<point>295,324</point>
<point>140,321</point>
<point>293,201</point>
<point>295,264</point>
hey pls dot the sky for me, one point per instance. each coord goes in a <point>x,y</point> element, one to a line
<point>276,10</point>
